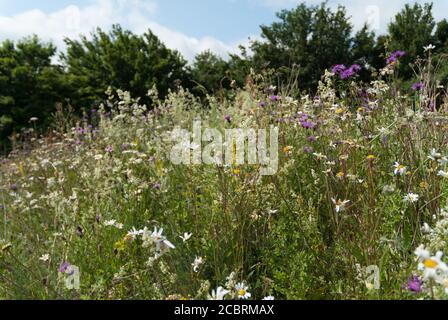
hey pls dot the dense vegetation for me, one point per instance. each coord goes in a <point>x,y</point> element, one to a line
<point>35,81</point>
<point>361,184</point>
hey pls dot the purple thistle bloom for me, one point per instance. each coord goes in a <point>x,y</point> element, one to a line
<point>337,69</point>
<point>64,267</point>
<point>312,138</point>
<point>303,117</point>
<point>350,72</point>
<point>274,98</point>
<point>344,72</point>
<point>13,187</point>
<point>262,104</point>
<point>228,118</point>
<point>394,56</point>
<point>156,186</point>
<point>308,124</point>
<point>307,149</point>
<point>281,120</point>
<point>109,149</point>
<point>418,86</point>
<point>415,284</point>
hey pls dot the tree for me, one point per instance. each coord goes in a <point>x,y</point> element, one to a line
<point>209,73</point>
<point>30,85</point>
<point>121,60</point>
<point>411,30</point>
<point>312,37</point>
<point>441,35</point>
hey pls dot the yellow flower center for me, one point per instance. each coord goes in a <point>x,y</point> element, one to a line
<point>431,264</point>
<point>242,292</point>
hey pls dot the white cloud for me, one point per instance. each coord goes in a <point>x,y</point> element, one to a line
<point>133,14</point>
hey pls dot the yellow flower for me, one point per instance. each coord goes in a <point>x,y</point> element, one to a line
<point>339,111</point>
<point>120,245</point>
<point>340,175</point>
<point>430,263</point>
<point>370,157</point>
<point>236,171</point>
<point>424,185</point>
<point>287,149</point>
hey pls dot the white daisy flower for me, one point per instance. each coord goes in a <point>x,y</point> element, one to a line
<point>45,257</point>
<point>186,236</point>
<point>113,223</point>
<point>435,155</point>
<point>218,294</point>
<point>241,290</point>
<point>399,169</point>
<point>198,261</point>
<point>162,244</point>
<point>339,204</point>
<point>442,174</point>
<point>269,298</point>
<point>411,198</point>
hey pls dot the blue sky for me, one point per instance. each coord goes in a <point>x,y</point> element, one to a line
<point>189,26</point>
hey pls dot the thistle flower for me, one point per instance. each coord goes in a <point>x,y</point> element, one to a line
<point>64,267</point>
<point>274,98</point>
<point>418,86</point>
<point>415,284</point>
<point>394,56</point>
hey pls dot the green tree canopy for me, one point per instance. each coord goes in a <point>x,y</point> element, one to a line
<point>312,37</point>
<point>30,85</point>
<point>122,60</point>
<point>411,30</point>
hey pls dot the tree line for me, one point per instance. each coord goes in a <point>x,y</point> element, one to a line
<point>303,42</point>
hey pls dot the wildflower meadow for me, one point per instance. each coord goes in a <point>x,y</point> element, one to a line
<point>356,209</point>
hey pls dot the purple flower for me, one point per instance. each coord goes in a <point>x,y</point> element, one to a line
<point>13,187</point>
<point>337,69</point>
<point>109,149</point>
<point>418,86</point>
<point>281,120</point>
<point>156,186</point>
<point>415,284</point>
<point>394,56</point>
<point>274,98</point>
<point>64,267</point>
<point>303,117</point>
<point>228,118</point>
<point>350,72</point>
<point>307,149</point>
<point>308,124</point>
<point>262,104</point>
<point>312,138</point>
<point>344,72</point>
